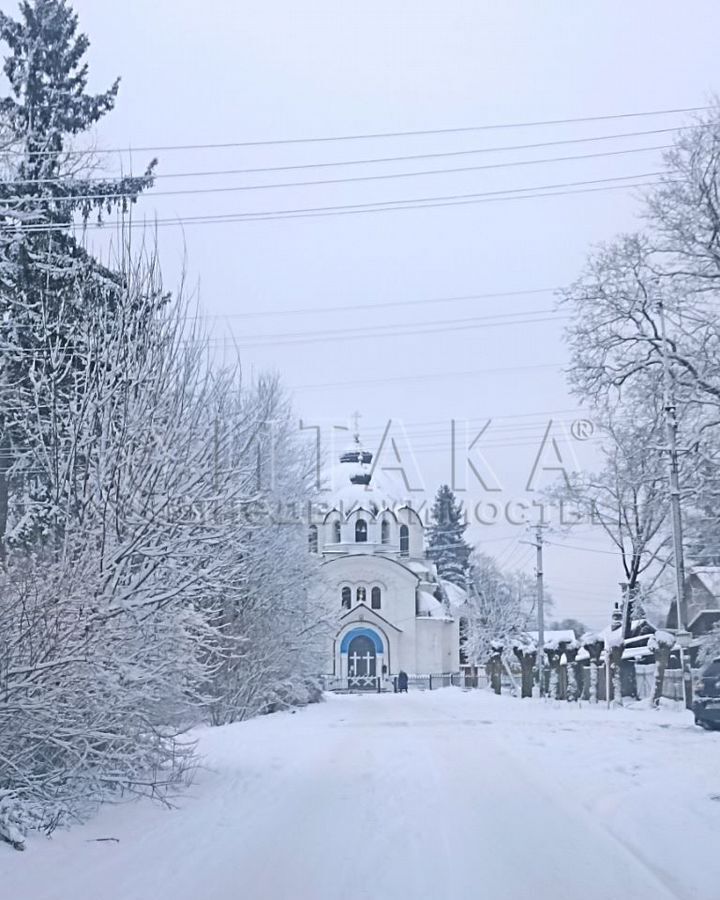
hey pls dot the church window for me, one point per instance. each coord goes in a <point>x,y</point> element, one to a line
<point>313,539</point>
<point>346,597</point>
<point>361,531</point>
<point>385,532</point>
<point>404,541</point>
<point>375,598</point>
<point>361,594</point>
<point>336,532</point>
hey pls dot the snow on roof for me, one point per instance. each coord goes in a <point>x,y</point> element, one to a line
<point>427,603</point>
<point>636,652</point>
<point>709,576</point>
<point>613,637</point>
<point>456,595</point>
<point>383,489</point>
<point>553,638</point>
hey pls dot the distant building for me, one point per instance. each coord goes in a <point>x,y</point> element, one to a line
<point>701,601</point>
<point>394,612</point>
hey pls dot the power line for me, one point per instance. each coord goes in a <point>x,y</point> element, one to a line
<point>464,129</point>
<point>270,313</point>
<point>376,306</point>
<point>506,553</point>
<point>294,337</point>
<point>423,377</point>
<point>489,426</point>
<point>588,549</point>
<point>370,330</point>
<point>353,306</point>
<point>374,160</point>
<point>488,445</point>
<point>529,193</point>
<point>542,412</point>
<point>313,338</point>
<point>352,179</point>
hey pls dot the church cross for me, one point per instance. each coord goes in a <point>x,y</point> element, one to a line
<point>354,660</point>
<point>368,659</point>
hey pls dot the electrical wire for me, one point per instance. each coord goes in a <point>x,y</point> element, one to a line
<point>257,170</point>
<point>282,339</point>
<point>528,193</point>
<point>364,136</point>
<point>425,377</point>
<point>351,179</point>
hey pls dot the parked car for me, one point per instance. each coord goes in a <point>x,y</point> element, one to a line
<point>707,703</point>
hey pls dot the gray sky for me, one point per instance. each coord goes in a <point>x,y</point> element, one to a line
<point>220,71</point>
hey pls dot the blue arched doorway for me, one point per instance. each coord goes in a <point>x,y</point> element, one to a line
<point>363,646</point>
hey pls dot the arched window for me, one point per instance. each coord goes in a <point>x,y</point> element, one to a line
<point>336,532</point>
<point>346,597</point>
<point>361,531</point>
<point>361,595</point>
<point>404,541</point>
<point>375,598</point>
<point>385,532</point>
<point>313,539</point>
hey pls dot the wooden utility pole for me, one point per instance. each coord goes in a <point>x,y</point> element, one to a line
<point>671,427</point>
<point>538,544</point>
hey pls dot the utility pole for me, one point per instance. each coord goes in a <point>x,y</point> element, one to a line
<point>540,605</point>
<point>671,427</point>
<point>540,651</point>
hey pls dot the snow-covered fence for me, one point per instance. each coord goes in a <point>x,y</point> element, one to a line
<point>432,681</point>
<point>672,683</point>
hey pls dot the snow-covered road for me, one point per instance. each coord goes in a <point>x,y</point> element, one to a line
<point>427,795</point>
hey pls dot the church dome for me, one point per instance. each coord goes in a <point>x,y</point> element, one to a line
<point>354,483</point>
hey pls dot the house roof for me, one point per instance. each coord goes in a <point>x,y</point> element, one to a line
<point>709,576</point>
<point>554,637</point>
<point>427,603</point>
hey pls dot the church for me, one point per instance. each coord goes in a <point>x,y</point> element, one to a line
<point>394,612</point>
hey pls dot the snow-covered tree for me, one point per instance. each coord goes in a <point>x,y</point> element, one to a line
<point>500,607</point>
<point>47,187</point>
<point>447,546</point>
<point>616,335</point>
<point>171,587</point>
<point>628,497</point>
<point>155,569</point>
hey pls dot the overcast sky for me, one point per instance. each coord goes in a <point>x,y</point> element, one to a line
<point>228,72</point>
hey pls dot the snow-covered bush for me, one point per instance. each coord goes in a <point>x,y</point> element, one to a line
<point>147,582</point>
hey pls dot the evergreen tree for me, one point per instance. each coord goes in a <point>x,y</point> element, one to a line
<point>448,548</point>
<point>48,191</point>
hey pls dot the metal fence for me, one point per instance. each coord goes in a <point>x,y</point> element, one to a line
<point>416,682</point>
<point>643,681</point>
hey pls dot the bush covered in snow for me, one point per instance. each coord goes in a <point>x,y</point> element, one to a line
<point>151,576</point>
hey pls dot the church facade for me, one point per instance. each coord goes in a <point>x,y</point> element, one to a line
<point>393,612</point>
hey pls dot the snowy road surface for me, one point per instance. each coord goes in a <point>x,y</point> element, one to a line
<point>427,795</point>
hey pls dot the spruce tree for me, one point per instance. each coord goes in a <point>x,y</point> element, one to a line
<point>49,189</point>
<point>448,548</point>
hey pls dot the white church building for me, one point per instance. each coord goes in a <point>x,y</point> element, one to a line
<point>394,613</point>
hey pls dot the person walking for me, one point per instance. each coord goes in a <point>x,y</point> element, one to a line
<point>402,682</point>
